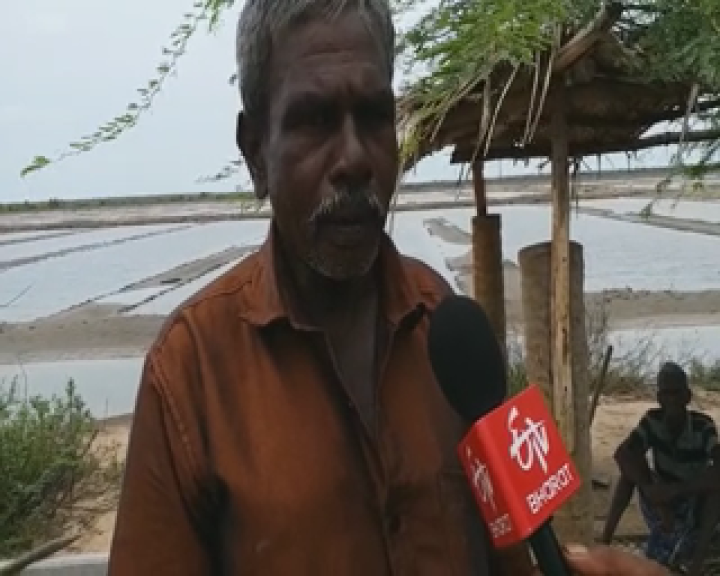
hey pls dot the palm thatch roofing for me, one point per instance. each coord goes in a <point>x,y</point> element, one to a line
<point>608,105</point>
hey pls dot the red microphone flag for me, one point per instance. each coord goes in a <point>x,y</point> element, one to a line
<point>518,467</point>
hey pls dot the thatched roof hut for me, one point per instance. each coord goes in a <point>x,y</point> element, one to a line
<point>608,105</point>
<point>564,93</point>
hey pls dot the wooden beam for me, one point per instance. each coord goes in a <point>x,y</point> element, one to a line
<point>460,124</point>
<point>544,150</point>
<point>560,313</point>
<point>585,39</point>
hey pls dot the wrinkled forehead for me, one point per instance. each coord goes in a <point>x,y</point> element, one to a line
<point>324,30</point>
<point>324,54</point>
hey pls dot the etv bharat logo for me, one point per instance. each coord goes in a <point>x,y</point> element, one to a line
<point>528,444</point>
<point>481,479</point>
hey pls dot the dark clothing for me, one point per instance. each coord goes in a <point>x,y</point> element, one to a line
<point>676,459</point>
<point>676,545</point>
<point>248,457</point>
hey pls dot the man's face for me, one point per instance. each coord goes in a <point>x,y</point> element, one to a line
<point>673,398</point>
<point>329,154</point>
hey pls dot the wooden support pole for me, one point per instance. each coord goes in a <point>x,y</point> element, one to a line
<point>479,189</point>
<point>488,275</point>
<point>560,313</point>
<point>568,366</point>
<point>574,521</point>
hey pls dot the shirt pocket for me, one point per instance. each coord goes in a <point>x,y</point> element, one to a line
<point>465,533</point>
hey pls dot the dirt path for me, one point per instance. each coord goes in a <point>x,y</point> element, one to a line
<point>613,422</point>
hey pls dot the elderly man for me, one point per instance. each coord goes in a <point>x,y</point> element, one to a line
<point>288,422</point>
<point>680,496</point>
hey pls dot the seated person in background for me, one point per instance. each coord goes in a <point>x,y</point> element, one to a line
<point>680,497</point>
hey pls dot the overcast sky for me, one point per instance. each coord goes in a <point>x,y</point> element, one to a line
<point>69,66</point>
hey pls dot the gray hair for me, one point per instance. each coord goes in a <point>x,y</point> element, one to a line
<point>263,22</point>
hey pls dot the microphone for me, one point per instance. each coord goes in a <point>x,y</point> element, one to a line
<point>513,455</point>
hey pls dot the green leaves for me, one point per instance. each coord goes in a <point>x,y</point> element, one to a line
<point>52,471</point>
<point>681,40</point>
<point>202,11</point>
<point>460,43</point>
<point>230,169</point>
<point>461,39</point>
<point>37,163</point>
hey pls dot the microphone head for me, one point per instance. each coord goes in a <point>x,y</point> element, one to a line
<point>466,357</point>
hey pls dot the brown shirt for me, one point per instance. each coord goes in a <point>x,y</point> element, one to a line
<point>247,457</point>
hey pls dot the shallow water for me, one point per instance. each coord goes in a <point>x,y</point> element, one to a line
<point>108,387</point>
<point>172,299</point>
<point>679,343</point>
<point>32,235</point>
<point>59,283</point>
<point>705,210</point>
<point>617,255</point>
<point>75,240</point>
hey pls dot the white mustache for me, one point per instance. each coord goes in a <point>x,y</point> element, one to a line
<point>343,198</point>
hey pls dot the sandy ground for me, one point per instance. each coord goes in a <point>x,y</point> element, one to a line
<point>114,433</point>
<point>613,421</point>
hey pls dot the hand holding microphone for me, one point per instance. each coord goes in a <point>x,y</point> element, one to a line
<point>513,454</point>
<point>608,561</point>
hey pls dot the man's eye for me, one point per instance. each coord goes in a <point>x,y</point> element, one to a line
<point>319,118</point>
<point>310,116</point>
<point>375,114</point>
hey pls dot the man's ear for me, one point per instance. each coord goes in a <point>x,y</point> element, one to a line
<point>248,141</point>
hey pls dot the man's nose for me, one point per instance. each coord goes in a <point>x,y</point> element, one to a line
<point>352,166</point>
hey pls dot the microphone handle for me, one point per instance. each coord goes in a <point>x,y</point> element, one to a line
<point>548,553</point>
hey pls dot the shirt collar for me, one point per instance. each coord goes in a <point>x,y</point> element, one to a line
<point>400,297</point>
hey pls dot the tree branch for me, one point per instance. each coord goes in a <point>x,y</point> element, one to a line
<point>15,567</point>
<point>584,40</point>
